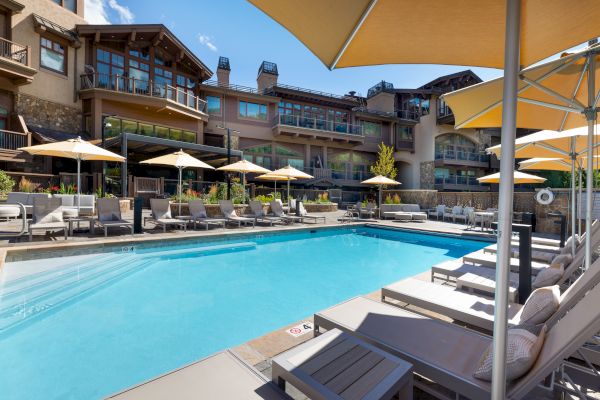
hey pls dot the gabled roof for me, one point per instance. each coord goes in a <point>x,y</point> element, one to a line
<point>466,74</point>
<point>42,24</point>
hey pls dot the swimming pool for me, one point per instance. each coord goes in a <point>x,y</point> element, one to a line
<point>86,326</point>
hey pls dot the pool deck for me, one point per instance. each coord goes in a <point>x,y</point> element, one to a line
<point>258,351</point>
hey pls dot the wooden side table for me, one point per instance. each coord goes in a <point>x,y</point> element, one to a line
<point>90,220</point>
<point>336,365</point>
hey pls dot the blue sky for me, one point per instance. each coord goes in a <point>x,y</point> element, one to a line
<point>235,29</point>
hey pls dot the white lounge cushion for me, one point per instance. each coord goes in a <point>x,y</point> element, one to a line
<point>523,347</point>
<point>551,275</point>
<point>540,305</point>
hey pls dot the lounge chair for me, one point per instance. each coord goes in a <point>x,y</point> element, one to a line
<point>161,215</point>
<point>259,215</point>
<point>109,215</point>
<point>228,212</point>
<point>47,215</point>
<point>220,376</point>
<point>305,215</point>
<point>489,261</point>
<point>369,210</point>
<point>477,310</point>
<point>198,215</point>
<point>437,212</point>
<point>448,354</point>
<point>277,210</point>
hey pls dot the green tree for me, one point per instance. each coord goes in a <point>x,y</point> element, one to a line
<point>385,162</point>
<point>6,183</point>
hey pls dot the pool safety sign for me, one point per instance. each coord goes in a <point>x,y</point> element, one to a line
<point>300,329</point>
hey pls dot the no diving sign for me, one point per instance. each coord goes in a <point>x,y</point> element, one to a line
<point>300,329</point>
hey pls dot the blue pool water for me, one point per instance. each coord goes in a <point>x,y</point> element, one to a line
<point>84,327</point>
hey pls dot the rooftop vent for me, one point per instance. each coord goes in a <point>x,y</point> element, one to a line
<point>268,67</point>
<point>224,63</point>
<point>382,86</point>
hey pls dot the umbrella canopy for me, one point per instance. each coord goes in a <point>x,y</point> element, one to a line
<point>291,172</point>
<point>275,178</point>
<point>381,180</point>
<point>519,177</point>
<point>553,164</point>
<point>179,159</point>
<point>552,95</point>
<point>365,32</point>
<point>244,167</point>
<point>75,149</point>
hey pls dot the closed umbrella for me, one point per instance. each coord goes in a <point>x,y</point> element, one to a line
<point>274,179</point>
<point>290,172</point>
<point>380,181</point>
<point>180,159</point>
<point>365,32</point>
<point>244,167</point>
<point>77,149</point>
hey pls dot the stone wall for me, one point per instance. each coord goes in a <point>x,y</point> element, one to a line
<point>560,204</point>
<point>48,114</point>
<point>427,175</point>
<point>424,198</point>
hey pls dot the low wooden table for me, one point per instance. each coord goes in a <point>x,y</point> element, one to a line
<point>336,365</point>
<point>90,220</point>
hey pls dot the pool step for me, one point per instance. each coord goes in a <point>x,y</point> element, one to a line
<point>199,251</point>
<point>28,305</point>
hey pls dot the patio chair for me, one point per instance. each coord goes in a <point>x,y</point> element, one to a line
<point>228,212</point>
<point>277,210</point>
<point>259,215</point>
<point>198,215</point>
<point>161,215</point>
<point>369,210</point>
<point>109,215</point>
<point>305,215</point>
<point>47,216</point>
<point>448,354</point>
<point>223,375</point>
<point>437,212</point>
<point>456,210</point>
<point>477,310</point>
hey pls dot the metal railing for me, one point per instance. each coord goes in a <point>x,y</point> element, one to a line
<point>123,84</point>
<point>457,155</point>
<point>443,111</point>
<point>343,128</point>
<point>10,140</point>
<point>238,88</point>
<point>346,175</point>
<point>14,51</point>
<point>458,180</point>
<point>405,144</point>
<point>310,91</point>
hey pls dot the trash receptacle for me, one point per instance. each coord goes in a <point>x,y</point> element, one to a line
<point>529,219</point>
<point>298,207</point>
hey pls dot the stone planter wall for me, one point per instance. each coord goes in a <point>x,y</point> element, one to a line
<point>213,210</point>
<point>310,208</point>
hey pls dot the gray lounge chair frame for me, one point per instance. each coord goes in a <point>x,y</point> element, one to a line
<point>305,215</point>
<point>228,212</point>
<point>42,207</point>
<point>277,210</point>
<point>198,215</point>
<point>447,354</point>
<point>109,215</point>
<point>161,215</point>
<point>437,212</point>
<point>259,215</point>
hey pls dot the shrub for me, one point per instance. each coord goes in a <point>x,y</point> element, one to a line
<point>186,196</point>
<point>6,183</point>
<point>388,199</point>
<point>67,189</point>
<point>265,198</point>
<point>396,199</point>
<point>25,185</point>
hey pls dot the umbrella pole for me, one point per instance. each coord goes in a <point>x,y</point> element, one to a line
<point>275,194</point>
<point>590,114</point>
<point>380,189</point>
<point>505,201</point>
<point>288,193</point>
<point>244,187</point>
<point>580,191</point>
<point>573,194</point>
<point>79,184</point>
<point>179,190</point>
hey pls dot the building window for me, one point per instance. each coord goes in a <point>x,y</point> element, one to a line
<point>213,104</point>
<point>116,126</point>
<point>371,129</point>
<point>253,110</point>
<point>70,5</point>
<point>287,156</point>
<point>260,155</point>
<point>3,118</point>
<point>53,55</point>
<point>109,65</point>
<point>404,133</point>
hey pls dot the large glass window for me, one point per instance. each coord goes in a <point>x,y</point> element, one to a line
<point>287,156</point>
<point>340,120</point>
<point>372,129</point>
<point>53,55</point>
<point>253,110</point>
<point>3,118</point>
<point>109,65</point>
<point>70,5</point>
<point>115,126</point>
<point>213,104</point>
<point>260,155</point>
<point>139,72</point>
<point>162,78</point>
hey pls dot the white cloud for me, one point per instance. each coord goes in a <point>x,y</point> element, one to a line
<point>96,12</point>
<point>207,41</point>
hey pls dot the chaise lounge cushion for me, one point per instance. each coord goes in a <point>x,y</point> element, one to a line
<point>540,305</point>
<point>551,275</point>
<point>524,344</point>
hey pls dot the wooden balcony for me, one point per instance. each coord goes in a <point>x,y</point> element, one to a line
<point>337,177</point>
<point>15,62</point>
<point>313,128</point>
<point>9,143</point>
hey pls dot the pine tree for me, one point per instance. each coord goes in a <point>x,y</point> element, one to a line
<point>385,162</point>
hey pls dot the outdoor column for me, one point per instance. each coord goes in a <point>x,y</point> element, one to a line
<point>590,114</point>
<point>505,201</point>
<point>124,182</point>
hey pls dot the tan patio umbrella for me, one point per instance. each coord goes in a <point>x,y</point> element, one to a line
<point>274,179</point>
<point>380,181</point>
<point>345,33</point>
<point>519,177</point>
<point>77,149</point>
<point>244,167</point>
<point>290,172</point>
<point>180,159</point>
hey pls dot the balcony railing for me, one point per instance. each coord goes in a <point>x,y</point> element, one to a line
<point>345,175</point>
<point>457,180</point>
<point>237,88</point>
<point>14,51</point>
<point>10,140</point>
<point>343,128</point>
<point>444,111</point>
<point>453,155</point>
<point>123,84</point>
<point>405,144</point>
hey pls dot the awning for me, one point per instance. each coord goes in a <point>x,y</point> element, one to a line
<point>45,135</point>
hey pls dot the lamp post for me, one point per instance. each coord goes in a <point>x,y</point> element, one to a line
<point>229,130</point>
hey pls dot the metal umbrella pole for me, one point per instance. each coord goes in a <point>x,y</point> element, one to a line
<point>380,189</point>
<point>573,194</point>
<point>79,185</point>
<point>179,189</point>
<point>590,114</point>
<point>505,201</point>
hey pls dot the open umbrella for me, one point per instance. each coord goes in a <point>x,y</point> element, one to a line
<point>290,172</point>
<point>274,179</point>
<point>519,177</point>
<point>365,32</point>
<point>180,159</point>
<point>244,167</point>
<point>380,181</point>
<point>77,149</point>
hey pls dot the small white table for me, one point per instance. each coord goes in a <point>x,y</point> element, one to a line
<point>485,216</point>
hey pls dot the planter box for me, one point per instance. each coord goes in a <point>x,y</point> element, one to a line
<point>312,208</point>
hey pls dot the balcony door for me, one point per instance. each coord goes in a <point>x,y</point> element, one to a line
<point>4,25</point>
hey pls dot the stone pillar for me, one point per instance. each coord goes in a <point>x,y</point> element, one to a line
<point>427,175</point>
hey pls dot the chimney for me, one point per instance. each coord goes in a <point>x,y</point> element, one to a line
<point>267,76</point>
<point>223,71</point>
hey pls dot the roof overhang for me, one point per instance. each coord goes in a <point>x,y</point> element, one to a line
<point>43,25</point>
<point>11,5</point>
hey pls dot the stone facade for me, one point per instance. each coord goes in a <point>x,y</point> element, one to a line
<point>427,175</point>
<point>48,114</point>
